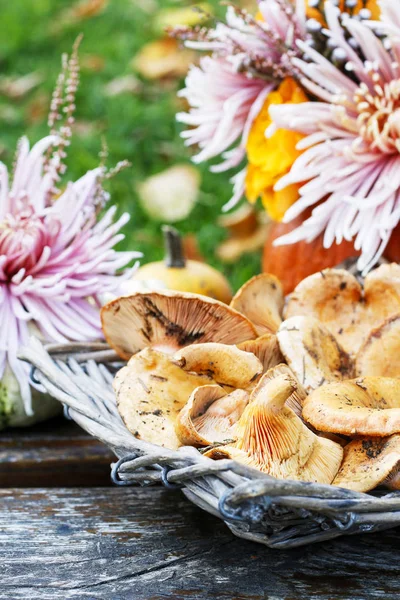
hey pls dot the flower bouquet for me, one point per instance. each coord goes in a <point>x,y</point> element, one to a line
<point>302,100</point>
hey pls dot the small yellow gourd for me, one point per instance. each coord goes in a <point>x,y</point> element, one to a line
<point>176,273</point>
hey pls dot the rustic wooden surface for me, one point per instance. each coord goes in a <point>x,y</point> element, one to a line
<point>57,453</point>
<point>151,544</point>
<point>59,542</point>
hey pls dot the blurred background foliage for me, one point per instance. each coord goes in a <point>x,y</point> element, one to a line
<point>117,99</point>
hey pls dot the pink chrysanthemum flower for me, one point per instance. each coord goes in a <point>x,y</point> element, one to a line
<point>228,89</point>
<point>351,162</point>
<point>56,256</point>
<point>390,19</point>
<point>224,103</point>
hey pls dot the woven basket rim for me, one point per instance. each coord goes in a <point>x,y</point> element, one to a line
<point>256,506</point>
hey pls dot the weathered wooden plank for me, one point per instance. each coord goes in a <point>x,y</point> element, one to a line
<point>53,454</point>
<point>150,544</point>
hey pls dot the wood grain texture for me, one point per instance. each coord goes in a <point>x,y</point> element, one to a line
<point>55,453</point>
<point>151,544</point>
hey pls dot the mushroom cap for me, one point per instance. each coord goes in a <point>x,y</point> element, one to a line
<point>368,462</point>
<point>365,406</point>
<point>168,320</point>
<point>151,391</point>
<point>296,399</point>
<point>210,416</point>
<point>380,354</point>
<point>312,352</point>
<point>266,348</point>
<point>225,364</point>
<point>338,300</point>
<point>272,438</point>
<point>261,300</point>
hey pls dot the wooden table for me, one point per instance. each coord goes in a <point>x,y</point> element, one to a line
<point>66,533</point>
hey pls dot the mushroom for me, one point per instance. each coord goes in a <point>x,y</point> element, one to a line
<point>312,352</point>
<point>151,391</point>
<point>393,481</point>
<point>168,320</point>
<point>296,399</point>
<point>261,300</point>
<point>210,416</point>
<point>380,354</point>
<point>369,462</point>
<point>350,312</point>
<point>266,348</point>
<point>226,364</point>
<point>272,438</point>
<point>365,406</point>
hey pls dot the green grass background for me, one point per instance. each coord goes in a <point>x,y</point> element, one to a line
<point>140,127</point>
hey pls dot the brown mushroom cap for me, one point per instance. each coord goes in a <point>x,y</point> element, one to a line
<point>261,300</point>
<point>368,462</point>
<point>225,364</point>
<point>266,348</point>
<point>366,406</point>
<point>312,352</point>
<point>380,354</point>
<point>271,438</point>
<point>168,320</point>
<point>151,391</point>
<point>350,312</point>
<point>210,416</point>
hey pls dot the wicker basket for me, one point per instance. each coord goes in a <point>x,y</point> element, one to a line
<point>255,506</point>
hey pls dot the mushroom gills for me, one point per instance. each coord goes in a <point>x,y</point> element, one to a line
<point>168,320</point>
<point>210,416</point>
<point>393,480</point>
<point>272,438</point>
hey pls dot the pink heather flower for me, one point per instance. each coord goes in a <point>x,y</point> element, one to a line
<point>351,159</point>
<point>228,89</point>
<point>56,257</point>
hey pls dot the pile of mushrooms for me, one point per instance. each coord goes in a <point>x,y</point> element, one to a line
<point>304,388</point>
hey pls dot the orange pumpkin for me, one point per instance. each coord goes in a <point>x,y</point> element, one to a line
<point>392,251</point>
<point>292,263</point>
